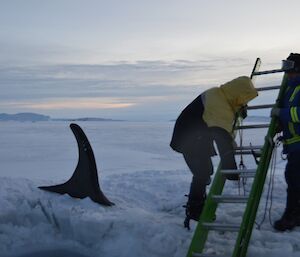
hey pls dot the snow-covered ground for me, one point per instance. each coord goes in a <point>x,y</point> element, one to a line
<point>138,172</point>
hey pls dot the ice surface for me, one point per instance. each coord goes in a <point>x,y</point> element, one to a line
<point>137,171</point>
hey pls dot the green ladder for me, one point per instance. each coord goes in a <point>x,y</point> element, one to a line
<point>244,229</point>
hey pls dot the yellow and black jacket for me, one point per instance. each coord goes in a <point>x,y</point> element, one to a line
<point>216,107</point>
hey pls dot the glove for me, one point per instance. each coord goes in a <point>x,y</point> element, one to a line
<point>275,112</point>
<point>243,112</point>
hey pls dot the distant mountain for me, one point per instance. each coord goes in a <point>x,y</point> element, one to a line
<point>33,117</point>
<point>85,119</point>
<point>26,116</point>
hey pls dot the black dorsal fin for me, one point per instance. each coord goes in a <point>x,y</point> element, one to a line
<point>84,181</point>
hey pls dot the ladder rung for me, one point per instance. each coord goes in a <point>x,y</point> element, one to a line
<point>267,88</point>
<point>245,173</point>
<point>205,255</point>
<point>230,198</point>
<point>250,147</point>
<point>221,227</point>
<point>263,106</point>
<point>252,126</point>
<point>247,152</point>
<point>267,72</point>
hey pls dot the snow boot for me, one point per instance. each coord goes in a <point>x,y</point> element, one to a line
<point>291,216</point>
<point>193,210</point>
<point>289,220</point>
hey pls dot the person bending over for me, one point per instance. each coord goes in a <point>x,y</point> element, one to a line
<point>206,119</point>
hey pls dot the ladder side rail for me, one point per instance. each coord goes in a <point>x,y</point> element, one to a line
<point>255,68</point>
<point>251,208</point>
<point>207,215</point>
<point>249,216</point>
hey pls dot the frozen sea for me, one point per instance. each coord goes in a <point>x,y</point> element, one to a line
<point>138,172</point>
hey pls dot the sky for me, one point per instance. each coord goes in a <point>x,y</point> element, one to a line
<point>136,60</point>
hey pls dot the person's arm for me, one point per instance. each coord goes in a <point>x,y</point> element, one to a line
<point>290,114</point>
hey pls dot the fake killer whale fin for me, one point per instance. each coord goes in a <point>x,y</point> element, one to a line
<point>84,181</point>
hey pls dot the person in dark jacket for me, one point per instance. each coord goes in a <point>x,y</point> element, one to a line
<point>209,118</point>
<point>289,117</point>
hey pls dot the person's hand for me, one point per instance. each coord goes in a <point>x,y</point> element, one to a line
<point>243,111</point>
<point>275,112</point>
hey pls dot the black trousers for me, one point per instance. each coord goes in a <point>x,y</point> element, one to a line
<point>199,162</point>
<point>292,171</point>
<point>198,159</point>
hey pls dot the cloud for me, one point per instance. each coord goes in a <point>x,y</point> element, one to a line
<point>119,88</point>
<point>62,104</point>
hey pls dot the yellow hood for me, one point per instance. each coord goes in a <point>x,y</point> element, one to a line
<point>221,104</point>
<point>239,91</point>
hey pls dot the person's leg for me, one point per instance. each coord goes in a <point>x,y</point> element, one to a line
<point>201,169</point>
<point>224,142</point>
<point>199,163</point>
<point>291,215</point>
